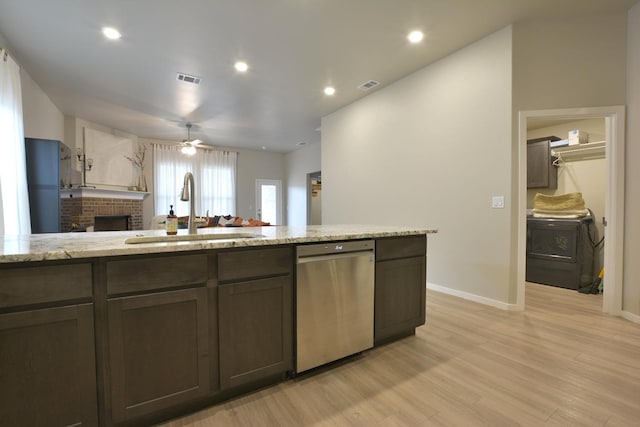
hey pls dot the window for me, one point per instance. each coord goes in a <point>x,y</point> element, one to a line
<point>214,174</point>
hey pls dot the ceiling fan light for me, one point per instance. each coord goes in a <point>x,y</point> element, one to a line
<point>188,149</point>
<point>188,145</point>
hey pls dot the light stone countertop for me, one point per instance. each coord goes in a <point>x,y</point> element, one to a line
<point>59,246</point>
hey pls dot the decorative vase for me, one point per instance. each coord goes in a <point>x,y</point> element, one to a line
<point>142,182</point>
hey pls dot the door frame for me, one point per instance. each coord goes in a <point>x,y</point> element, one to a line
<point>278,184</point>
<point>614,204</point>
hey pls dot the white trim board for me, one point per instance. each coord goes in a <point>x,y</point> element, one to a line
<point>472,297</point>
<point>502,305</point>
<point>630,317</point>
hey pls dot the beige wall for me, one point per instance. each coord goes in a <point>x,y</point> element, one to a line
<point>569,62</point>
<point>42,119</point>
<point>631,291</point>
<point>299,163</point>
<point>430,151</point>
<point>253,165</point>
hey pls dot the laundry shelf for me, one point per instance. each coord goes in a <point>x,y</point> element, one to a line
<point>590,150</point>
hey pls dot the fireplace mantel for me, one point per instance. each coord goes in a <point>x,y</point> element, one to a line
<point>81,205</point>
<point>103,193</point>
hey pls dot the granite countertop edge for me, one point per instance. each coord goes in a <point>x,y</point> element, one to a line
<point>68,246</point>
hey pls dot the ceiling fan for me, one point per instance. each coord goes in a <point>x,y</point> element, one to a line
<point>189,145</point>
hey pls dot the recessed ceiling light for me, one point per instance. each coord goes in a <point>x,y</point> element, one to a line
<point>329,90</point>
<point>241,66</point>
<point>111,33</point>
<point>301,144</point>
<point>415,36</point>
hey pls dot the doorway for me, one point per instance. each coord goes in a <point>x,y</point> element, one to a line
<point>269,201</point>
<point>314,198</point>
<point>614,118</point>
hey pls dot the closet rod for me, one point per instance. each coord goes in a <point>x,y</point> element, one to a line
<point>570,151</point>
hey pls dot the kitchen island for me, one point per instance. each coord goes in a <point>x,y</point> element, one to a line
<point>95,331</point>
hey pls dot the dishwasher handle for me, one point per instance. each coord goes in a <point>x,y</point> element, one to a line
<point>316,258</point>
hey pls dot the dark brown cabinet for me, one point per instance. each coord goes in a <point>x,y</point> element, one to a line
<point>47,346</point>
<point>255,315</point>
<point>133,340</point>
<point>158,351</point>
<point>158,337</point>
<point>47,367</point>
<point>400,287</point>
<point>541,172</point>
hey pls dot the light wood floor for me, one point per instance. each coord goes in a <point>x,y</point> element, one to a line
<point>560,363</point>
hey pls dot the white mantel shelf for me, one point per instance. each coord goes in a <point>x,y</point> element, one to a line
<point>104,193</point>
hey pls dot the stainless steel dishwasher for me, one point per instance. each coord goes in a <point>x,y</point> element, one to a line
<point>334,295</point>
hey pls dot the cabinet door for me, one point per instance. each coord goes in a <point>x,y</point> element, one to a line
<point>255,330</point>
<point>399,298</point>
<point>541,173</point>
<point>47,367</point>
<point>158,351</point>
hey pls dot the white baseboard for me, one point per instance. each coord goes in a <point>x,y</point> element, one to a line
<point>630,316</point>
<point>473,297</point>
<point>503,305</point>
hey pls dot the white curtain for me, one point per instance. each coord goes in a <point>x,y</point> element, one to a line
<point>14,196</point>
<point>214,174</point>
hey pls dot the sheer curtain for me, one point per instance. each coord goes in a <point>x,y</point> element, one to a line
<point>214,174</point>
<point>14,196</point>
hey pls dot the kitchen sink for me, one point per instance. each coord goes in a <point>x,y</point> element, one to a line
<point>189,237</point>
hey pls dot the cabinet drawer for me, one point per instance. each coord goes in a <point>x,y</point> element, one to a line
<point>401,247</point>
<point>144,274</point>
<point>44,284</point>
<point>248,264</point>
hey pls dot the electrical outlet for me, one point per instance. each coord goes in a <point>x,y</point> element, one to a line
<point>497,202</point>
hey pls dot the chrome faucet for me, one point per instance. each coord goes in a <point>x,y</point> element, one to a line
<point>189,194</point>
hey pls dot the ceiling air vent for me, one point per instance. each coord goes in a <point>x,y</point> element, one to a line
<point>188,78</point>
<point>368,85</point>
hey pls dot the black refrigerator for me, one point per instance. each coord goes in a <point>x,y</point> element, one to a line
<point>43,181</point>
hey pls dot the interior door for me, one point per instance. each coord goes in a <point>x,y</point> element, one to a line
<point>269,201</point>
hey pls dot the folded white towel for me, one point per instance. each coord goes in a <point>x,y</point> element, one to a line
<point>568,213</point>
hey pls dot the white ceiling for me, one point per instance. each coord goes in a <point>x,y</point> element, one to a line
<point>294,48</point>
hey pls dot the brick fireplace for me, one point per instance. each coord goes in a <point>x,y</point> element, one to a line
<point>80,207</point>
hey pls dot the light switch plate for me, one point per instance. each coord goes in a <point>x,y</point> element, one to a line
<point>497,202</point>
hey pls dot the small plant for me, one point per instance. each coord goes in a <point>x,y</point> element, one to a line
<point>138,157</point>
<point>137,160</point>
